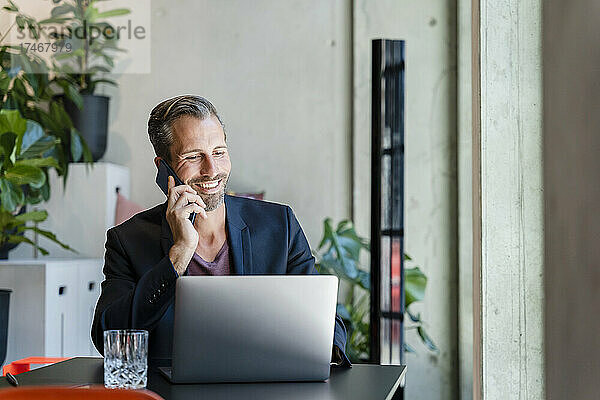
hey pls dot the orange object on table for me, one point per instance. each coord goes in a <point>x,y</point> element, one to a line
<point>68,393</point>
<point>24,365</point>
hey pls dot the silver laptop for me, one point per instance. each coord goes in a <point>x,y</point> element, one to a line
<point>253,328</point>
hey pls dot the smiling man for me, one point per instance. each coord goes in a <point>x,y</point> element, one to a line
<point>230,236</point>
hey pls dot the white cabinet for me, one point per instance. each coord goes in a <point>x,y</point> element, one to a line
<point>51,306</point>
<point>89,279</point>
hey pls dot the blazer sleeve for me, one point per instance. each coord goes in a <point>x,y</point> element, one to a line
<point>301,261</point>
<point>128,300</point>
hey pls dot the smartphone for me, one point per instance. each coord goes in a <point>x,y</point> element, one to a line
<point>162,180</point>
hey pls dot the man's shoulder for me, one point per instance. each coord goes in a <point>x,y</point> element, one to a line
<point>252,207</point>
<point>258,214</point>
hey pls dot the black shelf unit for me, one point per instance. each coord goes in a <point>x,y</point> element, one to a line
<point>387,202</point>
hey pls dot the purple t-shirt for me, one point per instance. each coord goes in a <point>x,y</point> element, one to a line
<point>219,266</point>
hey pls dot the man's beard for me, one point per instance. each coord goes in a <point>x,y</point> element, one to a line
<point>214,200</point>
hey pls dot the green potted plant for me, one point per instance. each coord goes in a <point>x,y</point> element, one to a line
<point>24,161</point>
<point>29,85</point>
<point>27,92</point>
<point>94,45</point>
<point>338,254</point>
<point>88,45</point>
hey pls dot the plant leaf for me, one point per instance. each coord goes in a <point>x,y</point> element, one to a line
<point>7,143</point>
<point>20,22</point>
<point>11,121</point>
<point>364,279</point>
<point>62,9</point>
<point>57,111</point>
<point>76,145</point>
<point>346,228</point>
<point>113,13</point>
<point>408,348</point>
<point>33,196</point>
<point>345,270</point>
<point>53,20</point>
<point>350,267</point>
<point>39,147</point>
<point>413,317</point>
<point>26,175</point>
<point>73,94</point>
<point>34,216</point>
<point>327,232</point>
<point>329,263</point>
<point>87,153</point>
<point>33,133</point>
<point>109,61</point>
<point>45,190</point>
<point>11,195</point>
<point>4,81</point>
<point>107,81</point>
<point>415,283</point>
<point>72,54</point>
<point>350,245</point>
<point>50,236</point>
<point>343,312</point>
<point>23,239</point>
<point>11,7</point>
<point>426,339</point>
<point>7,220</point>
<point>39,162</point>
<point>96,68</point>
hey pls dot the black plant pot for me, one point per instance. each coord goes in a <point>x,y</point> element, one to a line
<point>6,247</point>
<point>91,121</point>
<point>4,303</point>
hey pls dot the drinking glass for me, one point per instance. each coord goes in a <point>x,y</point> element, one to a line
<point>125,359</point>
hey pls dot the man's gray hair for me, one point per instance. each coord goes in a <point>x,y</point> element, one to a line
<point>161,120</point>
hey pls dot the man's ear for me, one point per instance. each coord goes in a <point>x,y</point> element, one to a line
<point>157,161</point>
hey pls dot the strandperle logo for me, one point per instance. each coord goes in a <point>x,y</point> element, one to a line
<point>85,31</point>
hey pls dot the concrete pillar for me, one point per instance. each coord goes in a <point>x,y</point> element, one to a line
<point>508,227</point>
<point>572,196</point>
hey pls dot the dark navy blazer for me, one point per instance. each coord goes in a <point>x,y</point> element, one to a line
<point>139,288</point>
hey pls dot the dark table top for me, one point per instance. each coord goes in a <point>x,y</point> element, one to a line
<point>362,381</point>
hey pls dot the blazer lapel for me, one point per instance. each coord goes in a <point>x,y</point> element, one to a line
<point>239,238</point>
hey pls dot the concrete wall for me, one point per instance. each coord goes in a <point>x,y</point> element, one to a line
<point>429,29</point>
<point>279,73</point>
<point>572,198</point>
<point>510,246</point>
<point>285,76</point>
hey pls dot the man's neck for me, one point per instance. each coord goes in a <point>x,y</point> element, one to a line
<point>212,228</point>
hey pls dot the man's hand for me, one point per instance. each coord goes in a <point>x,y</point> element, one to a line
<point>183,201</point>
